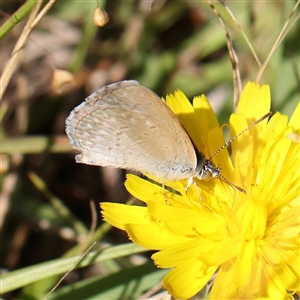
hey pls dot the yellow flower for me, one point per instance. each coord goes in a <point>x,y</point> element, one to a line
<point>250,241</point>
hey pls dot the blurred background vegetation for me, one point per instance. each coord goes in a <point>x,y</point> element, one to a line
<point>50,204</point>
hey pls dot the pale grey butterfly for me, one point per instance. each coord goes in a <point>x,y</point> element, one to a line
<point>126,125</point>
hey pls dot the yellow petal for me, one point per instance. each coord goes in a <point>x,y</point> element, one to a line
<point>242,151</point>
<point>184,220</point>
<point>255,101</point>
<point>224,287</point>
<point>221,252</point>
<point>144,190</point>
<point>119,215</point>
<point>180,253</point>
<point>189,278</point>
<point>184,110</point>
<point>282,275</point>
<point>295,120</point>
<point>208,127</point>
<point>153,236</point>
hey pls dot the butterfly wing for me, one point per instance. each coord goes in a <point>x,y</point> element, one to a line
<point>126,125</point>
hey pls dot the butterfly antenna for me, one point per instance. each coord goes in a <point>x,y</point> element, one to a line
<point>229,142</point>
<point>234,138</point>
<point>231,184</point>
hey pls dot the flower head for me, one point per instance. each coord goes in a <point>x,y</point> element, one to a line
<point>250,241</point>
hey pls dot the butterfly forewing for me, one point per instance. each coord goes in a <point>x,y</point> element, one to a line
<point>125,125</point>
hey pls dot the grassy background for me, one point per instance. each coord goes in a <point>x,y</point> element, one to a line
<point>49,204</point>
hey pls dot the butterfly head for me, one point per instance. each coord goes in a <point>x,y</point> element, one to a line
<point>207,170</point>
